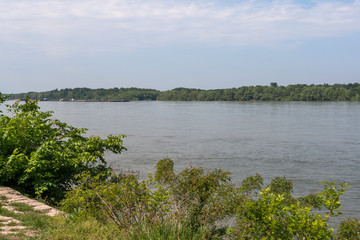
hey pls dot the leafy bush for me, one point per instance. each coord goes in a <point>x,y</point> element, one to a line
<point>197,202</point>
<point>330,196</point>
<point>164,171</point>
<point>275,214</point>
<point>192,200</point>
<point>41,155</point>
<point>199,198</point>
<point>349,229</point>
<point>273,217</point>
<point>125,201</point>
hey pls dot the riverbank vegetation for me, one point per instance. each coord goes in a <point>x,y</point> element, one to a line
<point>41,156</point>
<point>51,160</point>
<point>273,92</point>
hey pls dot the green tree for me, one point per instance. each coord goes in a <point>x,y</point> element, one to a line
<point>274,84</point>
<point>41,155</point>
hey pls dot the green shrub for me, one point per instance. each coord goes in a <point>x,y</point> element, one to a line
<point>193,199</point>
<point>200,198</point>
<point>251,185</point>
<point>272,217</point>
<point>349,229</point>
<point>194,203</point>
<point>275,214</point>
<point>164,171</point>
<point>41,155</point>
<point>125,202</point>
<point>330,196</point>
<point>281,185</point>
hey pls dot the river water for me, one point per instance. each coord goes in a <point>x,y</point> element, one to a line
<point>307,142</point>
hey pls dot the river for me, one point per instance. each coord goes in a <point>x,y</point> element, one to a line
<point>307,142</point>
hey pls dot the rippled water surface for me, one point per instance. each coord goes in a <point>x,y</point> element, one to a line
<point>306,142</point>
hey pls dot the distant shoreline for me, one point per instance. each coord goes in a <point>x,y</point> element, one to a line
<point>69,100</point>
<point>272,92</point>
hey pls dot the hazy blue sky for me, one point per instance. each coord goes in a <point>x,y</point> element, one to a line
<point>163,44</point>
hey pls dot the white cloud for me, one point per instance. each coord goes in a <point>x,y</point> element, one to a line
<point>62,26</point>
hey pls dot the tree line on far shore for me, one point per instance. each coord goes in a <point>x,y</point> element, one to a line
<point>273,92</point>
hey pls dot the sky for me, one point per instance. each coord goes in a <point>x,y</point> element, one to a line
<point>164,44</point>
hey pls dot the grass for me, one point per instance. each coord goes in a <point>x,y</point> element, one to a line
<point>169,230</point>
<point>12,224</point>
<point>90,228</point>
<point>7,213</point>
<point>21,207</point>
<point>34,221</point>
<point>29,218</point>
<point>15,236</point>
<point>58,227</point>
<point>61,228</point>
<point>3,197</point>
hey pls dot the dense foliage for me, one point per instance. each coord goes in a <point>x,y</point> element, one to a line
<point>273,92</point>
<point>349,229</point>
<point>198,204</point>
<point>193,200</point>
<point>299,92</point>
<point>41,155</point>
<point>87,94</point>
